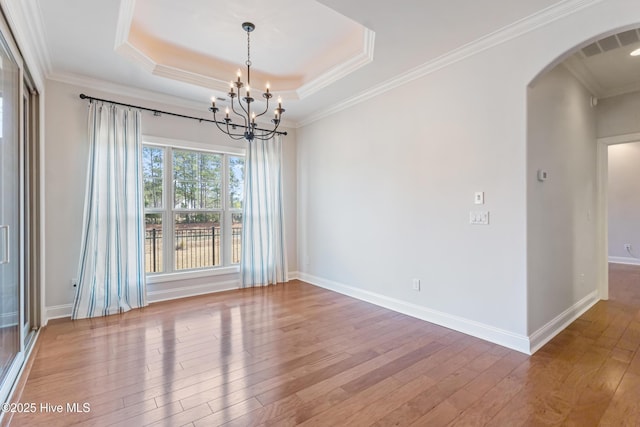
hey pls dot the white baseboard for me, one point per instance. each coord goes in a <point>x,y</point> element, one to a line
<point>624,260</point>
<point>293,275</point>
<point>564,319</point>
<point>470,327</point>
<point>191,291</point>
<point>58,312</point>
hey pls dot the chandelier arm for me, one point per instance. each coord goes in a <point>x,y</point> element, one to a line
<point>227,131</point>
<point>246,113</point>
<point>262,138</point>
<point>265,137</point>
<point>233,108</point>
<point>265,110</point>
<point>236,136</point>
<point>269,134</point>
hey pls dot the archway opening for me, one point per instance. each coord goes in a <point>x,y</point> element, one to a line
<point>572,105</point>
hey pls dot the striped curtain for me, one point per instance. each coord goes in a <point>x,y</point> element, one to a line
<point>111,277</point>
<point>264,259</point>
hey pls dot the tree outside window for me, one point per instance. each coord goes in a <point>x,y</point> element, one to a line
<point>203,218</point>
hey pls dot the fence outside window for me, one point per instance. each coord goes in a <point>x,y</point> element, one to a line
<point>193,248</point>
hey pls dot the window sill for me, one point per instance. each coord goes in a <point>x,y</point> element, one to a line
<point>171,277</point>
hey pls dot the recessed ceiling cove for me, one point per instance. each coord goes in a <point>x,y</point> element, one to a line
<point>298,46</point>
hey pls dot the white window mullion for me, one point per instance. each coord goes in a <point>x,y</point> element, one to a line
<point>226,218</point>
<point>169,216</point>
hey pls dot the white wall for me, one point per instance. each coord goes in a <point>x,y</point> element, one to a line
<point>386,186</point>
<point>624,201</point>
<point>618,115</point>
<point>66,151</point>
<point>561,226</point>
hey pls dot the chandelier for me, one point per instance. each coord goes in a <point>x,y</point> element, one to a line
<point>242,107</point>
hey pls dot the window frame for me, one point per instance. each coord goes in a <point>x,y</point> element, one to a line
<point>168,211</point>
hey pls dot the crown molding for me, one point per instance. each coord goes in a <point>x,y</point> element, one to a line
<point>127,49</point>
<point>128,91</point>
<point>185,76</point>
<point>90,83</point>
<point>623,90</point>
<point>339,71</point>
<point>25,20</point>
<point>584,76</point>
<point>123,24</point>
<point>131,52</point>
<point>495,38</point>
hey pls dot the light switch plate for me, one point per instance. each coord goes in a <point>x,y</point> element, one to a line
<point>479,198</point>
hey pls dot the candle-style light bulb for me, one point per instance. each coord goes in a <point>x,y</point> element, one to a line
<point>239,74</point>
<point>227,111</point>
<point>279,102</point>
<point>267,87</point>
<point>213,102</point>
<point>253,117</point>
<point>230,87</point>
<point>248,90</point>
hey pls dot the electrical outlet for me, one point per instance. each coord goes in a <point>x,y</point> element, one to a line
<point>416,285</point>
<point>74,283</point>
<point>479,217</point>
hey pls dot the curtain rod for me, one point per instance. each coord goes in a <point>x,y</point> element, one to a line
<point>92,98</point>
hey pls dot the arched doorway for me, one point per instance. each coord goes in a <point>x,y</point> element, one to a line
<point>566,177</point>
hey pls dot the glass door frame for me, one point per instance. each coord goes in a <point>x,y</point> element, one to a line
<point>30,242</point>
<point>31,206</point>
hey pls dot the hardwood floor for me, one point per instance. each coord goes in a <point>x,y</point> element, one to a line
<point>297,354</point>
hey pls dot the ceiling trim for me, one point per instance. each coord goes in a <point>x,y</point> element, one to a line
<point>129,51</point>
<point>123,90</point>
<point>123,25</point>
<point>185,76</point>
<point>584,76</point>
<point>25,19</point>
<point>90,83</point>
<point>502,35</point>
<point>124,47</point>
<point>336,73</point>
<point>633,87</point>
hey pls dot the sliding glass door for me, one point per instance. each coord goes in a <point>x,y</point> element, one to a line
<point>11,227</point>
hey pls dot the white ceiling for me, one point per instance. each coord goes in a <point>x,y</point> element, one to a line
<point>605,66</point>
<point>315,53</point>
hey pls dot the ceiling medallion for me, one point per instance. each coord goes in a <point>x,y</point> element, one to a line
<point>251,131</point>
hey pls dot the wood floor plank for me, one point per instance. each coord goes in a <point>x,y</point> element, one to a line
<point>296,354</point>
<point>389,402</point>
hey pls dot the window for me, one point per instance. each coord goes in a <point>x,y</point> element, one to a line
<point>193,208</point>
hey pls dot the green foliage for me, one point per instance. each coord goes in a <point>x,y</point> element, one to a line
<point>197,179</point>
<point>152,167</point>
<point>236,181</point>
